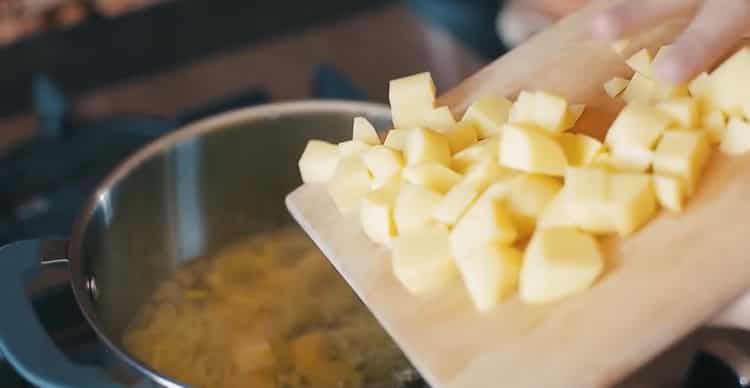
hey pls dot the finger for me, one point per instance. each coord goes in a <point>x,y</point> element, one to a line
<point>628,17</point>
<point>717,28</point>
<point>557,8</point>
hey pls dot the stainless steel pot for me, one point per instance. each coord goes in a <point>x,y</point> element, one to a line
<point>183,196</point>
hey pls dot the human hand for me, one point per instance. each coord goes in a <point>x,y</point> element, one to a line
<point>521,19</point>
<point>716,28</point>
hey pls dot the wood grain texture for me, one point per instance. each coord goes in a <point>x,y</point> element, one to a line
<point>661,284</point>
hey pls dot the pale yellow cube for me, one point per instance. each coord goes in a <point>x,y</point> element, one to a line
<point>350,183</point>
<point>587,205</point>
<point>352,148</point>
<point>640,62</point>
<point>396,138</point>
<point>490,273</point>
<point>488,114</point>
<point>431,175</point>
<point>531,151</point>
<point>425,145</point>
<point>523,109</point>
<point>527,197</point>
<point>487,221</point>
<point>455,203</point>
<point>730,83</point>
<point>715,124</point>
<point>638,124</point>
<point>574,113</point>
<point>318,161</point>
<point>630,158</point>
<point>540,109</point>
<point>700,85</point>
<point>736,139</point>
<point>683,154</point>
<point>615,86</point>
<point>422,260</point>
<point>670,192</point>
<point>483,150</point>
<point>410,97</point>
<point>439,119</point>
<point>558,263</point>
<point>484,173</point>
<point>555,214</point>
<point>414,208</point>
<point>376,214</point>
<point>579,149</point>
<point>632,201</point>
<point>640,88</point>
<point>383,162</point>
<point>365,132</point>
<point>684,112</point>
<point>461,136</point>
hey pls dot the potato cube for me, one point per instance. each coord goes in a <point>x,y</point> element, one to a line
<point>426,145</point>
<point>410,98</point>
<point>637,125</point>
<point>587,204</point>
<point>736,139</point>
<point>579,149</point>
<point>640,88</point>
<point>523,109</point>
<point>715,124</point>
<point>461,136</point>
<point>318,162</point>
<point>455,203</point>
<point>352,147</point>
<point>396,138</point>
<point>571,117</point>
<point>383,162</point>
<point>488,114</point>
<point>484,173</point>
<point>432,176</point>
<point>615,86</point>
<point>531,151</point>
<point>682,154</point>
<point>730,83</point>
<point>700,85</point>
<point>422,260</point>
<point>483,150</point>
<point>439,119</point>
<point>365,132</point>
<point>559,262</point>
<point>540,109</point>
<point>632,201</point>
<point>414,208</point>
<point>630,158</point>
<point>350,183</point>
<point>376,214</point>
<point>526,199</point>
<point>487,221</point>
<point>683,112</point>
<point>490,273</point>
<point>640,62</point>
<point>555,214</point>
<point>670,192</point>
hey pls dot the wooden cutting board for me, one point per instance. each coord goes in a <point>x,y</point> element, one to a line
<point>662,282</point>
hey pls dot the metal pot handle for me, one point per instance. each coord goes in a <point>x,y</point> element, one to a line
<point>23,340</point>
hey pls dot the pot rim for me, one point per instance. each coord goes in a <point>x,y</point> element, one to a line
<point>202,127</point>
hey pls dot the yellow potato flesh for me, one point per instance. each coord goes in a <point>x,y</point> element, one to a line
<point>376,214</point>
<point>579,149</point>
<point>531,151</point>
<point>425,145</point>
<point>460,136</point>
<point>615,86</point>
<point>684,111</point>
<point>422,260</point>
<point>490,273</point>
<point>455,203</point>
<point>383,162</point>
<point>350,183</point>
<point>488,114</point>
<point>670,192</point>
<point>540,109</point>
<point>410,97</point>
<point>318,161</point>
<point>414,208</point>
<point>352,147</point>
<point>486,149</point>
<point>526,199</point>
<point>487,221</point>
<point>364,132</point>
<point>736,139</point>
<point>682,154</point>
<point>439,119</point>
<point>396,138</point>
<point>431,175</point>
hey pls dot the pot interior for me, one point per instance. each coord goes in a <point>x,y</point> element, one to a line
<point>193,198</point>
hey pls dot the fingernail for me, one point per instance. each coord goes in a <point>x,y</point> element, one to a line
<point>605,26</point>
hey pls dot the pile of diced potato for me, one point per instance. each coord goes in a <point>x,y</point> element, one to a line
<point>509,197</point>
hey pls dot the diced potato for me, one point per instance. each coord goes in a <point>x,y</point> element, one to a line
<point>637,125</point>
<point>383,162</point>
<point>555,214</point>
<point>619,46</point>
<point>640,88</point>
<point>352,147</point>
<point>682,154</point>
<point>615,86</point>
<point>426,145</point>
<point>439,119</point>
<point>365,132</point>
<point>432,176</point>
<point>736,139</point>
<point>665,91</point>
<point>455,203</point>
<point>488,114</point>
<point>715,124</point>
<point>483,150</point>
<point>587,204</point>
<point>540,109</point>
<point>523,109</point>
<point>640,62</point>
<point>684,111</point>
<point>571,117</point>
<point>699,86</point>
<point>579,149</point>
<point>630,158</point>
<point>318,162</point>
<point>632,201</point>
<point>484,173</point>
<point>730,83</point>
<point>526,199</point>
<point>490,273</point>
<point>670,192</point>
<point>422,259</point>
<point>350,183</point>
<point>414,208</point>
<point>410,98</point>
<point>559,262</point>
<point>461,136</point>
<point>531,151</point>
<point>376,214</point>
<point>486,222</point>
<point>396,138</point>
